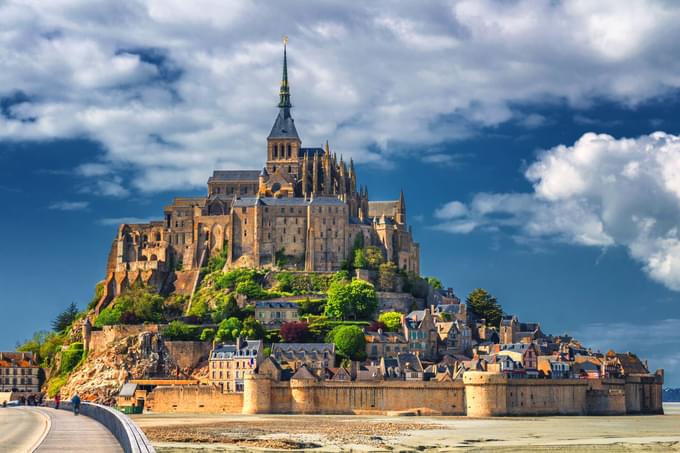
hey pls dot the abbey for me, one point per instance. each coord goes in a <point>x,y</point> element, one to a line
<point>302,211</point>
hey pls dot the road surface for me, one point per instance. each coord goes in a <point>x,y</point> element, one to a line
<point>45,430</point>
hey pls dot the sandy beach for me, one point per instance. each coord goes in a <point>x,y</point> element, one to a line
<point>206,434</point>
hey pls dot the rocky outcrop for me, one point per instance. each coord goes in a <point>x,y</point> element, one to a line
<point>135,357</point>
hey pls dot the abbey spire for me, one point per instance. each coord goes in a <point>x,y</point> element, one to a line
<point>284,91</point>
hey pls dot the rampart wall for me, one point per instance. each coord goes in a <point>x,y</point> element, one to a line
<point>479,394</point>
<point>188,354</point>
<point>100,339</point>
<point>193,399</point>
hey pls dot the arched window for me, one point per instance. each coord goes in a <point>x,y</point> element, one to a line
<point>288,152</point>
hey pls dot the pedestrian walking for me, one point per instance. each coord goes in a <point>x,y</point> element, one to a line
<point>57,400</point>
<point>75,401</point>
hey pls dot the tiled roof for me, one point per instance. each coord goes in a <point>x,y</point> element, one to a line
<point>228,351</point>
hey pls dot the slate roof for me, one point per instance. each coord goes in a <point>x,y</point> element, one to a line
<point>287,201</point>
<point>228,351</point>
<point>379,208</point>
<point>128,389</point>
<point>276,304</point>
<point>310,152</point>
<point>235,175</point>
<point>284,126</point>
<point>302,351</point>
<point>448,308</point>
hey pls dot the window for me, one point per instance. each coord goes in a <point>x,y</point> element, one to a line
<point>288,154</point>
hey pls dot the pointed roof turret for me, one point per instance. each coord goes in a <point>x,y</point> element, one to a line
<point>284,125</point>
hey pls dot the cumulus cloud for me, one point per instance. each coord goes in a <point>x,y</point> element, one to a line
<point>69,205</point>
<point>602,192</point>
<point>172,90</point>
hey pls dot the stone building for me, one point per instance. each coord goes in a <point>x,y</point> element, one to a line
<point>384,344</point>
<point>229,363</point>
<point>513,331</point>
<point>421,333</point>
<point>303,210</point>
<point>316,356</point>
<point>19,372</point>
<point>274,313</point>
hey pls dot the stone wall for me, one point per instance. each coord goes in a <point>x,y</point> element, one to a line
<point>328,397</point>
<point>100,339</point>
<point>401,302</point>
<point>606,397</point>
<point>193,399</point>
<point>188,354</point>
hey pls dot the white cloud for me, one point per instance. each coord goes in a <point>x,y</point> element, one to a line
<point>602,192</point>
<point>173,89</point>
<point>69,205</point>
<point>108,221</point>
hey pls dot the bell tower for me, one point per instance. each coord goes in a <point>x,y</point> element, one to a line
<point>283,143</point>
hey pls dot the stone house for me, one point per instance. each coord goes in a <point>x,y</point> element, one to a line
<point>337,374</point>
<point>525,354</point>
<point>620,365</point>
<point>405,366</point>
<point>452,312</point>
<point>455,337</point>
<point>513,331</point>
<point>19,372</point>
<point>316,356</point>
<point>505,364</point>
<point>421,333</point>
<point>587,367</point>
<point>554,367</point>
<point>384,344</point>
<point>229,363</point>
<point>273,313</point>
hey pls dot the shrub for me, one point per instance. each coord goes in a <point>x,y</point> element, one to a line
<point>311,306</point>
<point>387,276</point>
<point>55,385</point>
<point>226,307</point>
<point>98,293</point>
<point>252,329</point>
<point>229,329</point>
<point>391,319</point>
<point>208,334</point>
<point>229,280</point>
<point>217,262</point>
<point>295,332</point>
<point>136,305</point>
<point>179,331</point>
<point>71,357</point>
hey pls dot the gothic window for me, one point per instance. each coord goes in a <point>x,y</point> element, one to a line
<point>289,170</point>
<point>288,155</point>
<point>274,151</point>
<point>158,237</point>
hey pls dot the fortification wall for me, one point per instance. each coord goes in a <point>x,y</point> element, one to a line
<point>401,302</point>
<point>489,394</point>
<point>606,397</point>
<point>328,397</point>
<point>194,399</point>
<point>644,394</point>
<point>188,354</point>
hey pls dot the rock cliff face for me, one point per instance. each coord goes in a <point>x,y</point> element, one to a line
<point>135,357</point>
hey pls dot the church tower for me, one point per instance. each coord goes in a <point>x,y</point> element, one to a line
<point>283,143</point>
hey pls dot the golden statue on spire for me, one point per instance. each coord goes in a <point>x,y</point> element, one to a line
<point>285,40</point>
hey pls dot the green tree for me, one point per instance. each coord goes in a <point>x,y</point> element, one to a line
<point>374,257</point>
<point>180,331</point>
<point>356,299</point>
<point>360,261</point>
<point>434,282</point>
<point>65,318</point>
<point>364,299</point>
<point>350,342</point>
<point>484,305</point>
<point>339,303</point>
<point>229,329</point>
<point>225,308</point>
<point>387,276</point>
<point>252,329</point>
<point>391,319</point>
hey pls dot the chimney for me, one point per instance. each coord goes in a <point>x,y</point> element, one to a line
<point>238,343</point>
<point>353,369</point>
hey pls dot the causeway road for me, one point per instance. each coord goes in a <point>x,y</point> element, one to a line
<point>45,430</point>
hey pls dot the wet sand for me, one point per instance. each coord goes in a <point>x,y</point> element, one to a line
<point>208,434</point>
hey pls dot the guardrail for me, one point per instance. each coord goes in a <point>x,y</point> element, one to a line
<point>128,434</point>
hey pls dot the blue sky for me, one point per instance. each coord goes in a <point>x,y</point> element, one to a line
<point>537,142</point>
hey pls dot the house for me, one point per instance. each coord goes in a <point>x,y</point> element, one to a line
<point>19,372</point>
<point>620,365</point>
<point>421,334</point>
<point>384,344</point>
<point>317,356</point>
<point>505,364</point>
<point>525,354</point>
<point>274,313</point>
<point>587,367</point>
<point>130,399</point>
<point>406,366</point>
<point>229,363</point>
<point>369,373</point>
<point>455,337</point>
<point>337,374</point>
<point>554,367</point>
<point>450,312</point>
<point>270,367</point>
<point>513,331</point>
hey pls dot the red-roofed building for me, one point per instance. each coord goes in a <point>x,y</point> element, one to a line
<point>19,372</point>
